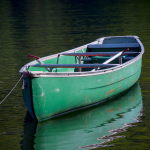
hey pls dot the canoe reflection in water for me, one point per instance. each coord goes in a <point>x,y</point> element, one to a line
<point>87,128</point>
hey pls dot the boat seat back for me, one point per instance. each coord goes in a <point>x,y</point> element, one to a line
<point>112,47</point>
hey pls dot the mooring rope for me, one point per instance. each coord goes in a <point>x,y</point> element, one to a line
<point>12,89</point>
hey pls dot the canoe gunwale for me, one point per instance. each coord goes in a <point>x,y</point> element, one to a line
<point>76,74</point>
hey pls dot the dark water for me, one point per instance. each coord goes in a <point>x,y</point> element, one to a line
<point>46,27</point>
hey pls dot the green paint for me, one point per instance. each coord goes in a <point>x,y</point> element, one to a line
<point>52,96</point>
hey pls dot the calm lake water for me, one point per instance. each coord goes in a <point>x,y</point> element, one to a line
<point>47,27</point>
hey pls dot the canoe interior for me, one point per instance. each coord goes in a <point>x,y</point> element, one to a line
<point>107,45</point>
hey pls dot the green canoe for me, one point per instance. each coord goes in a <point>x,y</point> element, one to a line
<point>81,77</point>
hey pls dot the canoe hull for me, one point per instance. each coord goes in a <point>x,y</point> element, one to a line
<point>97,123</point>
<point>52,96</point>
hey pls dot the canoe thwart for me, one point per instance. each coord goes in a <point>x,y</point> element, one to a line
<point>74,65</point>
<point>98,53</point>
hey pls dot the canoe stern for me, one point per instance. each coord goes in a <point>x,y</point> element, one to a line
<point>27,95</point>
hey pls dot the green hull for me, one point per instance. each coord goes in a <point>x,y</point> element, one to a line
<point>51,95</point>
<point>97,124</point>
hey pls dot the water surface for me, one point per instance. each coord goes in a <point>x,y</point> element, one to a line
<point>46,27</point>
